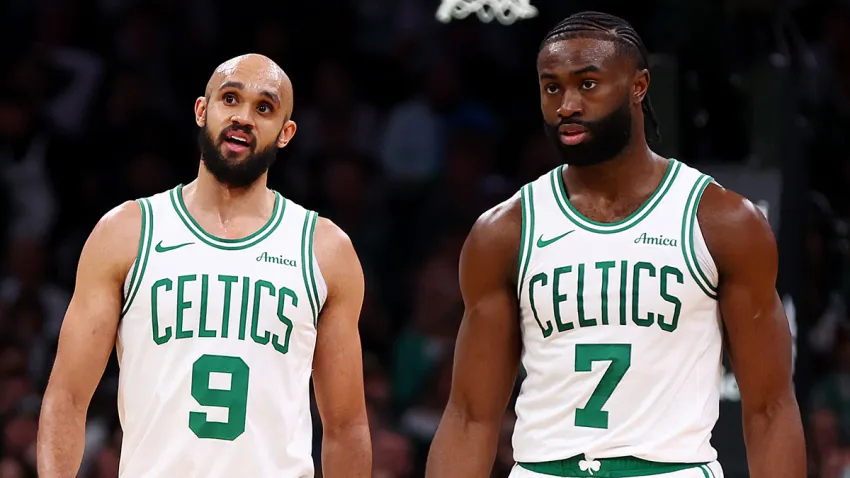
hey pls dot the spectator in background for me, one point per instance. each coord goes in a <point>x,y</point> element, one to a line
<point>337,120</point>
<point>27,150</point>
<point>12,468</point>
<point>393,455</point>
<point>36,305</point>
<point>352,198</point>
<point>19,438</point>
<point>414,136</point>
<point>420,420</point>
<point>429,338</point>
<point>830,415</point>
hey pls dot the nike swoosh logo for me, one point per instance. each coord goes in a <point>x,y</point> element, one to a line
<point>160,248</point>
<point>543,243</point>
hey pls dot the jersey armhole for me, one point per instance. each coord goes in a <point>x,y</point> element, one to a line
<point>526,237</point>
<point>137,270</point>
<point>314,282</point>
<point>697,256</point>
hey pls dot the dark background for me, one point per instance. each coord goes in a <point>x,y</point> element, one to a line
<point>408,129</point>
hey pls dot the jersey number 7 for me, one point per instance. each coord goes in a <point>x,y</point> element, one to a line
<point>620,356</point>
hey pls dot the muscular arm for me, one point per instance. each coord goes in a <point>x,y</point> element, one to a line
<point>86,340</point>
<point>759,338</point>
<point>487,350</point>
<point>338,363</point>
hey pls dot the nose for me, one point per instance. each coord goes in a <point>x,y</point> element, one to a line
<point>571,104</point>
<point>243,117</point>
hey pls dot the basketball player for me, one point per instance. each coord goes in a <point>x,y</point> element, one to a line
<point>221,297</point>
<point>614,279</point>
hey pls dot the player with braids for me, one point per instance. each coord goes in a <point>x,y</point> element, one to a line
<point>604,26</point>
<point>617,279</point>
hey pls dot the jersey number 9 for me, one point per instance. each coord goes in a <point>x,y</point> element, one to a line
<point>234,399</point>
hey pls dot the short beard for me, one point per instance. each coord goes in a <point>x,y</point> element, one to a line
<point>609,136</point>
<point>234,173</point>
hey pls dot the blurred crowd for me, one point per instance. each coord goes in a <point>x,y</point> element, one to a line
<point>408,129</point>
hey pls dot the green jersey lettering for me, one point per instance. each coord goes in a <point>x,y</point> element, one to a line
<point>543,280</point>
<point>255,322</point>
<point>264,317</point>
<point>640,279</point>
<point>558,298</point>
<point>636,318</point>
<point>158,338</point>
<point>665,293</point>
<point>182,305</point>
<point>282,295</point>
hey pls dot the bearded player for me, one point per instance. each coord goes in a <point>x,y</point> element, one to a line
<point>223,299</point>
<point>615,281</point>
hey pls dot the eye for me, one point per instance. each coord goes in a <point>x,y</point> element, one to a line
<point>588,84</point>
<point>551,89</point>
<point>264,108</point>
<point>229,98</point>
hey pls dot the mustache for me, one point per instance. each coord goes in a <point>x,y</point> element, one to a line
<point>575,121</point>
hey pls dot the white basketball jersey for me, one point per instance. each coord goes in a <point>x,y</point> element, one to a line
<point>620,327</point>
<point>215,347</point>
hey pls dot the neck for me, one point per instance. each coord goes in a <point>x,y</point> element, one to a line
<point>633,167</point>
<point>208,194</point>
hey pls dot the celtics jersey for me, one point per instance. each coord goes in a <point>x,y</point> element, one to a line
<point>620,327</point>
<point>215,346</point>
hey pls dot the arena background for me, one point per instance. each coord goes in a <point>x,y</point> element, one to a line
<point>408,129</point>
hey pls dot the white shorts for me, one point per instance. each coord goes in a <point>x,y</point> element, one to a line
<point>710,470</point>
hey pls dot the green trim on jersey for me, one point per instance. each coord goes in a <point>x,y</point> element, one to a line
<point>707,471</point>
<point>560,193</point>
<point>688,249</point>
<point>623,467</point>
<point>527,239</point>
<point>144,251</point>
<point>307,263</point>
<point>311,264</point>
<point>176,195</point>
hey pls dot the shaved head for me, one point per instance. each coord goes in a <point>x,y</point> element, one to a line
<point>258,67</point>
<point>244,118</point>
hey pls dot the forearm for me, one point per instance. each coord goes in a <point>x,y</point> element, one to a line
<point>462,448</point>
<point>775,442</point>
<point>347,452</point>
<point>61,436</point>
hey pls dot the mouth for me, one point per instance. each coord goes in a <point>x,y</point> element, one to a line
<point>237,141</point>
<point>572,134</point>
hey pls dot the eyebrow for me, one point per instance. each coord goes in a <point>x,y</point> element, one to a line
<point>587,69</point>
<point>580,71</point>
<point>240,86</point>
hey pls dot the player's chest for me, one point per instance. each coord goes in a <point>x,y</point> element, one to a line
<point>210,272</point>
<point>579,280</point>
<point>251,297</point>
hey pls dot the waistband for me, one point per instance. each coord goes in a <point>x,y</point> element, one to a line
<point>622,467</point>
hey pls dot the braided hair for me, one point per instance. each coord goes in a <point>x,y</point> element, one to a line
<point>603,26</point>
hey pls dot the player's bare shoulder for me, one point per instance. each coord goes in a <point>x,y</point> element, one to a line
<point>114,240</point>
<point>493,242</point>
<point>504,218</point>
<point>329,239</point>
<point>336,256</point>
<point>732,225</point>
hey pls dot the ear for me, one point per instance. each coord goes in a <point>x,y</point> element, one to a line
<point>640,86</point>
<point>201,111</point>
<point>286,133</point>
